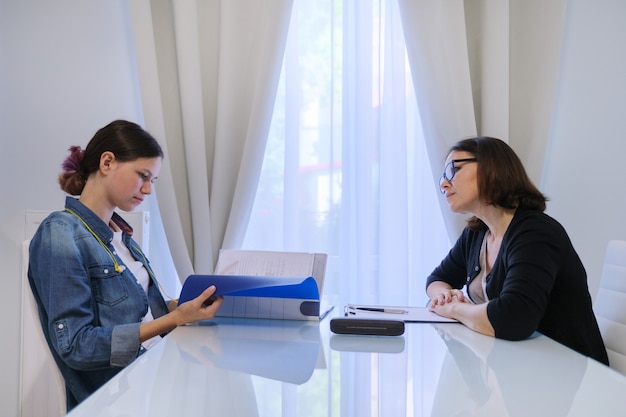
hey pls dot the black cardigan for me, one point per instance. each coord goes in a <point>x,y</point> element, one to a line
<point>537,283</point>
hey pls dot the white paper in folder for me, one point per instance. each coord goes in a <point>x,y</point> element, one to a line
<point>269,263</point>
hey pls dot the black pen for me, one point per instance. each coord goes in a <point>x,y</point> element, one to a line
<point>381,310</point>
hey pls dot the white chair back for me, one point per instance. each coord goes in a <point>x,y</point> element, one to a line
<point>42,389</point>
<point>610,304</point>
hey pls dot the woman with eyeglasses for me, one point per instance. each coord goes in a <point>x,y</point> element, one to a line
<point>99,302</point>
<point>517,265</point>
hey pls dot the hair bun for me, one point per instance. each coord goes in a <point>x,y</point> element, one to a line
<point>71,164</point>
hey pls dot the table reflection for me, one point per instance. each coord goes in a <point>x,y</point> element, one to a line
<point>362,343</point>
<point>206,369</point>
<point>266,368</point>
<point>282,350</point>
<point>478,376</point>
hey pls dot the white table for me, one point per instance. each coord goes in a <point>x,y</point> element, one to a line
<point>247,367</point>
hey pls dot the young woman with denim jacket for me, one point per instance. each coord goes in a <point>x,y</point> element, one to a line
<point>99,302</point>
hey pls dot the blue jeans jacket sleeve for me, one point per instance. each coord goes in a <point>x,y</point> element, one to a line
<point>124,344</point>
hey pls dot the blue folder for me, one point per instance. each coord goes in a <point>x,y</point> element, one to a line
<point>300,288</point>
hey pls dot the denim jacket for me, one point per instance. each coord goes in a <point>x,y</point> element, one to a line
<point>90,314</point>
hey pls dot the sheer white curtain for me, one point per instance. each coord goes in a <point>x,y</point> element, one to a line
<point>347,170</point>
<point>436,37</point>
<point>350,171</point>
<point>208,72</point>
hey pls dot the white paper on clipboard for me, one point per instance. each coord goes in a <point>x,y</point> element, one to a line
<point>406,314</point>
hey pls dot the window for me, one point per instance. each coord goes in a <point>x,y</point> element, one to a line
<point>345,170</point>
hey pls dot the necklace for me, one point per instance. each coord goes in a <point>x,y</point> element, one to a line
<point>119,268</point>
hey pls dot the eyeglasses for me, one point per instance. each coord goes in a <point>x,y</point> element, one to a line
<point>450,171</point>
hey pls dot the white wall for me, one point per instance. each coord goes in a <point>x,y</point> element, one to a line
<point>565,98</point>
<point>66,68</point>
<point>584,170</point>
<point>536,33</point>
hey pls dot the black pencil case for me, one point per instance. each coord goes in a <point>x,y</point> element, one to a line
<point>370,327</point>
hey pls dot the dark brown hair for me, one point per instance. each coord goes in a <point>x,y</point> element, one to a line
<point>126,140</point>
<point>502,179</point>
